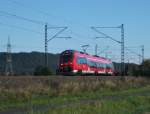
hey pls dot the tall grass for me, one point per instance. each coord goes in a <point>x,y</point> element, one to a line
<point>27,91</point>
<point>129,105</point>
<point>25,87</point>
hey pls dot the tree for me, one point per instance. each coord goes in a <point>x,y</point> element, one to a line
<point>145,68</point>
<point>40,71</point>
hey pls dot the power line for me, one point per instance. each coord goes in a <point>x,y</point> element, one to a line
<point>14,2</point>
<point>4,13</point>
<point>20,28</point>
<point>32,9</point>
<point>78,36</point>
<point>141,55</point>
<point>104,50</point>
<point>45,13</point>
<point>105,35</point>
<point>25,6</point>
<point>135,53</point>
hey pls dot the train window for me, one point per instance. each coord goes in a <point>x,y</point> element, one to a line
<point>100,65</point>
<point>66,58</point>
<point>78,60</point>
<point>103,65</point>
<point>108,65</point>
<point>111,65</point>
<point>84,61</point>
<point>81,60</point>
<point>92,64</point>
<point>89,63</point>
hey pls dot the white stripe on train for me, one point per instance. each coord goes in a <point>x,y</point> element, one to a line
<point>99,72</point>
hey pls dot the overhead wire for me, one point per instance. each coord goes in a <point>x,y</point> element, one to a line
<point>133,52</point>
<point>41,12</point>
<point>77,35</point>
<point>4,13</point>
<point>32,9</point>
<point>20,28</point>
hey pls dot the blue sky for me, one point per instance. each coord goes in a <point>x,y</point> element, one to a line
<point>78,16</point>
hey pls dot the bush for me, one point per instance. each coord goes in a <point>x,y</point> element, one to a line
<point>40,71</point>
<point>145,68</point>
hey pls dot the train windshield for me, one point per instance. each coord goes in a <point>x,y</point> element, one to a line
<point>66,58</point>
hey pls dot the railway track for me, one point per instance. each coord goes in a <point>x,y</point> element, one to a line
<point>62,76</point>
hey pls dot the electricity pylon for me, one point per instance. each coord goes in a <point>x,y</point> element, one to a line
<point>9,68</point>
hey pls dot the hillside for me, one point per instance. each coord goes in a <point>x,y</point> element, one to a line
<point>25,63</point>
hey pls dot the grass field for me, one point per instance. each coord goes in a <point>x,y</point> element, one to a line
<point>74,95</point>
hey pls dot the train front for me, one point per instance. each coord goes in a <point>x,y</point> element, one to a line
<point>66,62</point>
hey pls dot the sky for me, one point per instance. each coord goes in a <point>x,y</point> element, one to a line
<point>78,16</point>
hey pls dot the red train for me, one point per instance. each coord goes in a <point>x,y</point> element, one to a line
<point>78,63</point>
